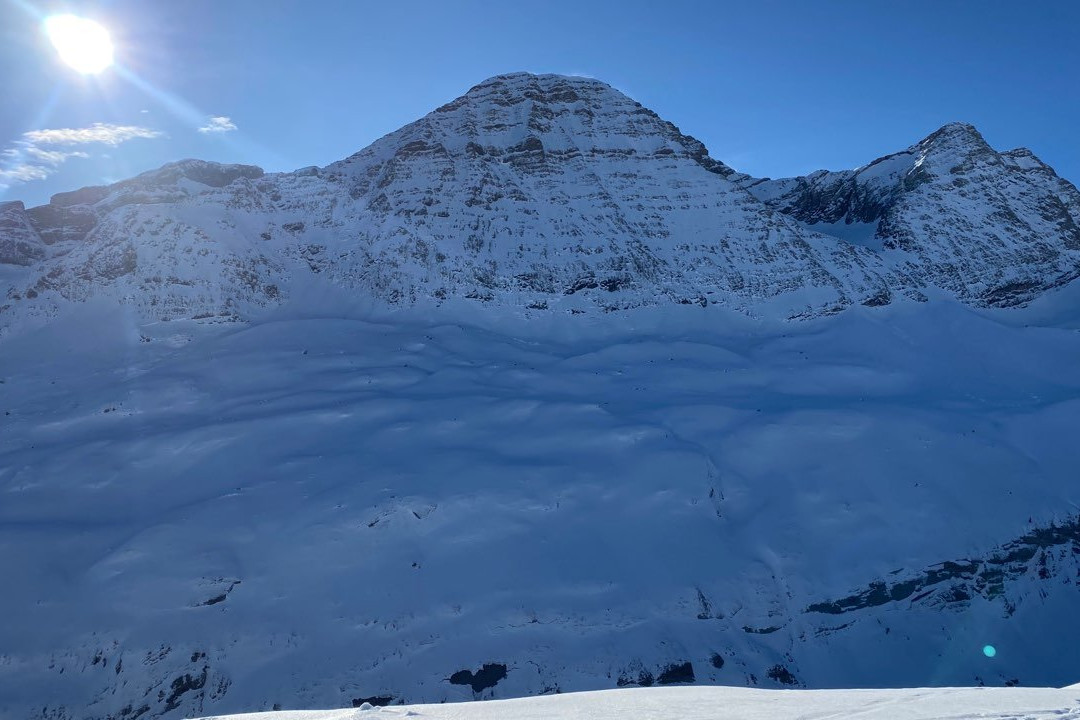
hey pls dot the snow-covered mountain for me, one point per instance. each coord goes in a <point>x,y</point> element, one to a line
<point>510,403</point>
<point>550,193</point>
<point>992,228</point>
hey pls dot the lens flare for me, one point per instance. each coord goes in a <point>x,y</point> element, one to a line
<point>989,651</point>
<point>83,44</point>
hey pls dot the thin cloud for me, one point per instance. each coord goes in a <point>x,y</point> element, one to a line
<point>26,160</point>
<point>218,124</point>
<point>52,157</point>
<point>23,173</point>
<point>96,133</point>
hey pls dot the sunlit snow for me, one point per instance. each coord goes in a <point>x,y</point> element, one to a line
<point>726,703</point>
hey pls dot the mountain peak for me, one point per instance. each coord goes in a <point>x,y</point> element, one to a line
<point>514,88</point>
<point>522,79</point>
<point>958,128</point>
<point>954,134</point>
<point>537,121</point>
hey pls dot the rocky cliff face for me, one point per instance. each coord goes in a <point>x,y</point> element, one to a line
<point>19,243</point>
<point>550,193</point>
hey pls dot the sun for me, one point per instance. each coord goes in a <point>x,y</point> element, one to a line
<point>83,44</point>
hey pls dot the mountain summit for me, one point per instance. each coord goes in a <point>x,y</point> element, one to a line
<point>550,193</point>
<point>551,116</point>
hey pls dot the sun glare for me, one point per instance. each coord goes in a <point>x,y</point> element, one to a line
<point>83,44</point>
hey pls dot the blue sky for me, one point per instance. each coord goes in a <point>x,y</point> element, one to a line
<point>772,88</point>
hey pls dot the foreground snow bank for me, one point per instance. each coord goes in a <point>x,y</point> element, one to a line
<point>720,703</point>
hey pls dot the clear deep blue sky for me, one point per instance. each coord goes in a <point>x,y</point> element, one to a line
<point>772,88</point>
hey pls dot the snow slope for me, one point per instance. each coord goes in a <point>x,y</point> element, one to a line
<point>726,703</point>
<point>333,504</point>
<point>738,704</point>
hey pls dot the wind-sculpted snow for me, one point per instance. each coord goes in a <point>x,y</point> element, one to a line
<point>327,506</point>
<point>550,194</point>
